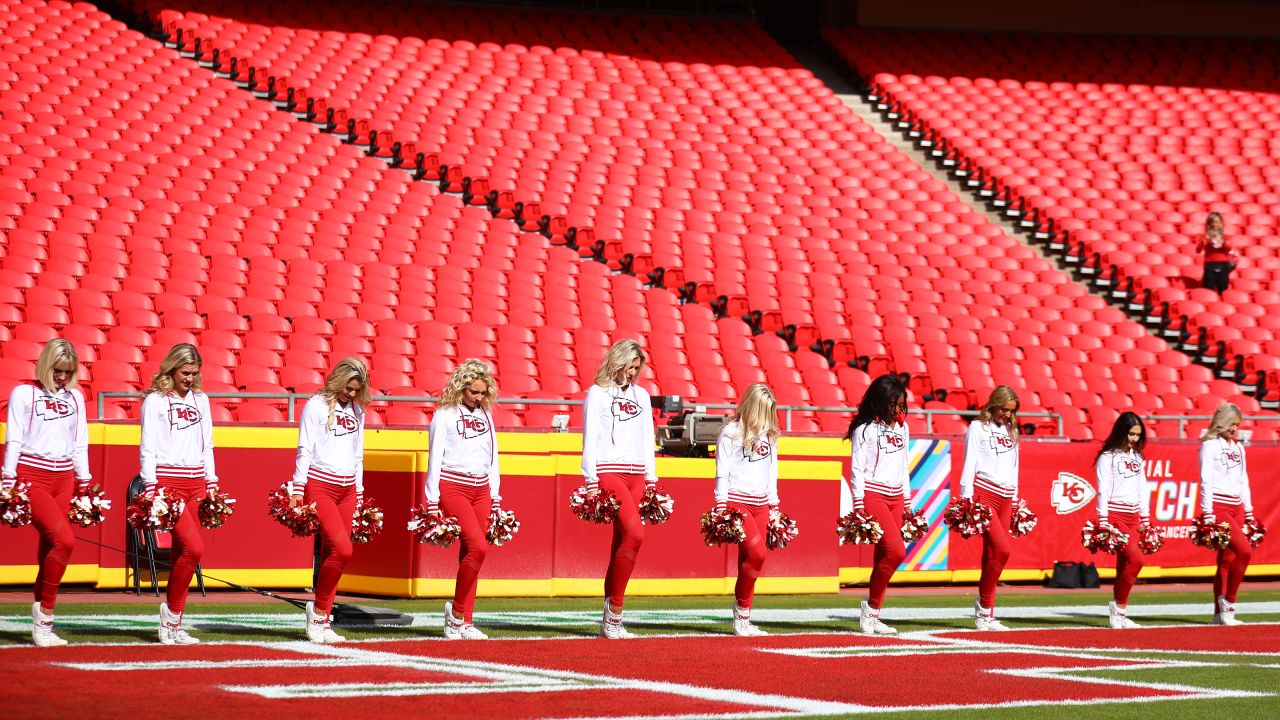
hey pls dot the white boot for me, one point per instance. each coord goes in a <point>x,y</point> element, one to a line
<point>985,618</point>
<point>171,632</point>
<point>1120,618</point>
<point>1225,613</point>
<point>611,626</point>
<point>42,629</point>
<point>870,622</point>
<point>452,626</point>
<point>742,623</point>
<point>318,630</point>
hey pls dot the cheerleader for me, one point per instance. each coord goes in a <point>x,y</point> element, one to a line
<point>747,481</point>
<point>463,481</point>
<point>881,484</point>
<point>990,475</point>
<point>47,446</point>
<point>177,454</point>
<point>1224,495</point>
<point>329,472</point>
<point>618,457</point>
<point>1122,505</point>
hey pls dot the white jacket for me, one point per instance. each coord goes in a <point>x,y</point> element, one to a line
<point>47,431</point>
<point>1224,475</point>
<point>177,437</point>
<point>990,460</point>
<point>881,461</point>
<point>463,448</point>
<point>747,475</point>
<point>1122,483</point>
<point>330,454</point>
<point>617,433</point>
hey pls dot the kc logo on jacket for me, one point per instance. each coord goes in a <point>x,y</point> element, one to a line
<point>344,423</point>
<point>1001,443</point>
<point>470,426</point>
<point>49,407</point>
<point>182,415</point>
<point>1129,467</point>
<point>1231,457</point>
<point>625,408</point>
<point>1070,492</point>
<point>892,442</point>
<point>757,453</point>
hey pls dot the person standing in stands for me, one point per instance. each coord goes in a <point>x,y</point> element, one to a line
<point>618,457</point>
<point>463,481</point>
<point>1219,261</point>
<point>329,471</point>
<point>1224,495</point>
<point>881,483</point>
<point>177,454</point>
<point>747,481</point>
<point>47,447</point>
<point>990,476</point>
<point>1122,505</point>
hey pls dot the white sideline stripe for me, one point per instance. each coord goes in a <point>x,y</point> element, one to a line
<point>126,665</point>
<point>976,638</point>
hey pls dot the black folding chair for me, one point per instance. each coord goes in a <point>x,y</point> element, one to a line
<point>142,544</point>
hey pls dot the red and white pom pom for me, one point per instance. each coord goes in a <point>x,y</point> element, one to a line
<point>967,517</point>
<point>301,520</point>
<point>655,507</point>
<point>1022,521</point>
<point>594,506</point>
<point>433,527</point>
<point>859,528</point>
<point>1149,540</point>
<point>158,511</point>
<point>1214,536</point>
<point>366,522</point>
<point>782,529</point>
<point>1102,538</point>
<point>1253,531</point>
<point>215,508</point>
<point>914,525</point>
<point>722,527</point>
<point>89,508</point>
<point>15,505</point>
<point>503,526</point>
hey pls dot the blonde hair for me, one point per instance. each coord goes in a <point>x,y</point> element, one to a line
<point>1224,417</point>
<point>618,358</point>
<point>348,369</point>
<point>56,352</point>
<point>999,398</point>
<point>1209,229</point>
<point>468,372</point>
<point>757,415</point>
<point>179,355</point>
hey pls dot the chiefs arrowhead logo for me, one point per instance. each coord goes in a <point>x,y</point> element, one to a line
<point>52,408</point>
<point>625,409</point>
<point>1070,493</point>
<point>183,416</point>
<point>471,427</point>
<point>344,423</point>
<point>759,452</point>
<point>892,442</point>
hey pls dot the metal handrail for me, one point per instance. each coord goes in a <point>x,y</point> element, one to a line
<point>787,410</point>
<point>1184,419</point>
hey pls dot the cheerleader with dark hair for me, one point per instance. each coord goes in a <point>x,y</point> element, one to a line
<point>1122,505</point>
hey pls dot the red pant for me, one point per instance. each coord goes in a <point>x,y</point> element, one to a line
<point>188,544</point>
<point>1129,560</point>
<point>751,552</point>
<point>890,551</point>
<point>471,504</point>
<point>1234,560</point>
<point>335,504</point>
<point>628,532</point>
<point>50,497</point>
<point>996,544</point>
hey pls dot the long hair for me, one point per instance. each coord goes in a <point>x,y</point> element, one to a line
<point>617,359</point>
<point>1225,416</point>
<point>877,402</point>
<point>1209,229</point>
<point>348,369</point>
<point>1118,439</point>
<point>57,351</point>
<point>757,415</point>
<point>179,355</point>
<point>999,398</point>
<point>468,372</point>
